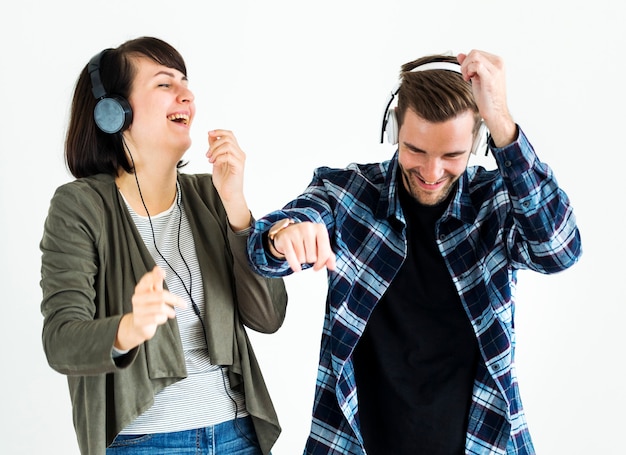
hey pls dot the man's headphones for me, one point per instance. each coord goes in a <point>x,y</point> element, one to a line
<point>390,121</point>
<point>112,112</point>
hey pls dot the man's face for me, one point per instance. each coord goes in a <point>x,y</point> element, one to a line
<point>433,156</point>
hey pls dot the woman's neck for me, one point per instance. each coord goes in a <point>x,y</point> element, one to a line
<point>148,194</point>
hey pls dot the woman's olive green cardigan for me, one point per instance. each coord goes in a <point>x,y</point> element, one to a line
<point>92,258</point>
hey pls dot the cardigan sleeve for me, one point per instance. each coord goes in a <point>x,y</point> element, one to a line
<point>262,302</point>
<point>77,339</point>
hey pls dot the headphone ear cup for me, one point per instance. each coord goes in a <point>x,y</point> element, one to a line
<point>480,142</point>
<point>113,114</point>
<point>391,126</point>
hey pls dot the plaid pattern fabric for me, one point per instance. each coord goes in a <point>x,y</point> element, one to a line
<point>499,221</point>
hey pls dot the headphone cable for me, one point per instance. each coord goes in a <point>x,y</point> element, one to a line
<point>195,307</point>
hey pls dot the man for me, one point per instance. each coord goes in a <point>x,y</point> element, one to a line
<point>417,352</point>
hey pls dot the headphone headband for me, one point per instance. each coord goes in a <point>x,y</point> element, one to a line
<point>449,66</point>
<point>390,121</point>
<point>93,68</point>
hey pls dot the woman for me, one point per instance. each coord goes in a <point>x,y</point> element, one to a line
<point>146,285</point>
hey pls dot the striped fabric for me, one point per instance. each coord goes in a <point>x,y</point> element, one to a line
<point>499,221</point>
<point>202,398</point>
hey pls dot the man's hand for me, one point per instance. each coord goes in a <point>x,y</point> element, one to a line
<point>486,72</point>
<point>304,243</point>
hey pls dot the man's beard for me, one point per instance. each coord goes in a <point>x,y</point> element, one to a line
<point>425,197</point>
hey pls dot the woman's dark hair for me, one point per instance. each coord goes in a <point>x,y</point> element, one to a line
<point>436,96</point>
<point>88,150</point>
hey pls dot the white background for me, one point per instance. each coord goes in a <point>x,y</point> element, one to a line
<point>303,84</point>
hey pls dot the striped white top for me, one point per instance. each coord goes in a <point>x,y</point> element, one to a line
<point>203,398</point>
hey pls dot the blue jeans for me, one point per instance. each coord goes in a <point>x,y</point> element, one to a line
<point>235,437</point>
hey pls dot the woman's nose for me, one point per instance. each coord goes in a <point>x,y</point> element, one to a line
<point>186,95</point>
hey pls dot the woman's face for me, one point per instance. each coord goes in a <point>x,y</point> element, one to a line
<point>163,110</point>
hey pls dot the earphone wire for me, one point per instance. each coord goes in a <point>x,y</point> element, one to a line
<point>195,307</point>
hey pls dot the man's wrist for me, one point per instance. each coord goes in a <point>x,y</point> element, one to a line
<point>273,232</point>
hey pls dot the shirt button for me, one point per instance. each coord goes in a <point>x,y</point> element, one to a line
<point>507,163</point>
<point>526,204</point>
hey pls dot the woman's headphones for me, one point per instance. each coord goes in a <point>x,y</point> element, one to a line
<point>112,112</point>
<point>390,121</point>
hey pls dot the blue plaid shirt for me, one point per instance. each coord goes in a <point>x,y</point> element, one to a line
<point>499,221</point>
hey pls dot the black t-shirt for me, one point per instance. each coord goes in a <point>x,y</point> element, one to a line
<point>416,362</point>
